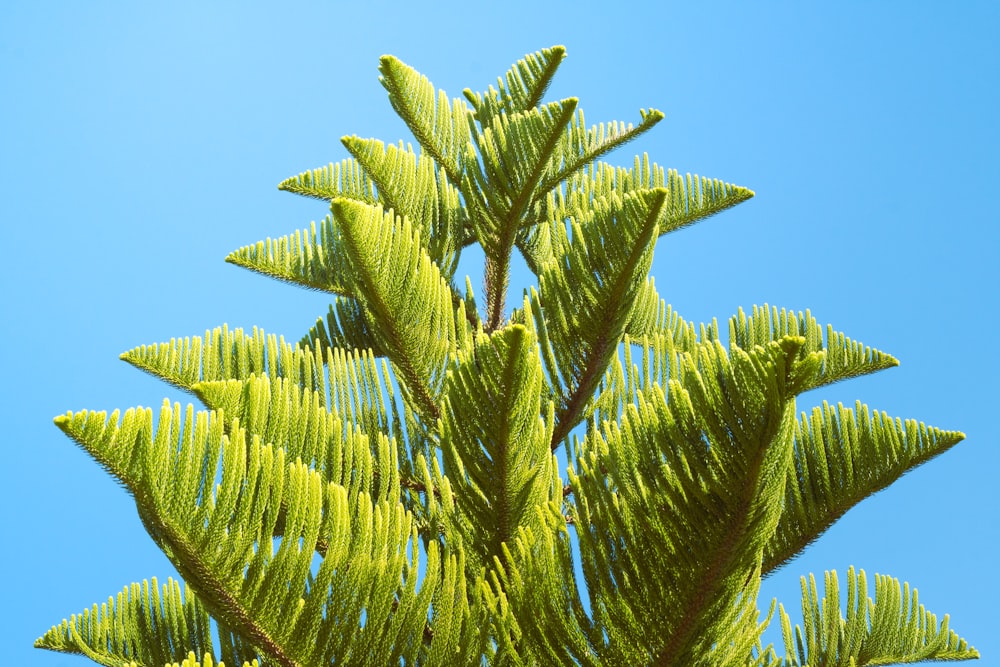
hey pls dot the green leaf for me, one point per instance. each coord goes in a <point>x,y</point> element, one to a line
<point>513,153</point>
<point>689,200</point>
<point>894,628</point>
<point>841,457</point>
<point>345,179</point>
<point>406,301</point>
<point>539,582</point>
<point>674,505</point>
<point>520,89</point>
<point>222,354</point>
<point>413,188</point>
<point>441,128</point>
<point>304,258</point>
<point>345,327</point>
<point>494,444</point>
<point>588,295</point>
<point>294,606</point>
<point>821,362</point>
<point>144,625</point>
<point>357,455</point>
<point>581,146</point>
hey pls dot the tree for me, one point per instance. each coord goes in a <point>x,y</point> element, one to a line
<point>409,483</point>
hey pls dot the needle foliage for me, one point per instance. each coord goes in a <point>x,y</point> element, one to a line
<point>434,477</point>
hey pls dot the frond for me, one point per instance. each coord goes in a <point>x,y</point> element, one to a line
<point>539,584</point>
<point>226,355</point>
<point>144,625</point>
<point>689,199</point>
<point>673,507</point>
<point>494,444</point>
<point>284,415</point>
<point>212,503</point>
<point>352,383</point>
<point>520,89</point>
<point>345,327</point>
<point>413,188</point>
<point>580,146</point>
<point>406,300</point>
<point>588,296</point>
<point>825,361</point>
<point>441,127</point>
<point>894,628</point>
<point>841,457</point>
<point>662,336</point>
<point>345,179</point>
<point>306,258</point>
<point>501,182</point>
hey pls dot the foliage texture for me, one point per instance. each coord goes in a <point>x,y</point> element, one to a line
<point>431,477</point>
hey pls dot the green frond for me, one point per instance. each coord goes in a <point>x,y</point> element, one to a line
<point>689,200</point>
<point>345,327</point>
<point>539,583</point>
<point>694,198</point>
<point>494,444</point>
<point>414,188</point>
<point>673,506</point>
<point>581,146</point>
<point>441,127</point>
<point>212,503</point>
<point>894,628</point>
<point>345,179</point>
<point>823,361</point>
<point>841,457</point>
<point>143,625</point>
<point>358,457</point>
<point>222,354</point>
<point>305,258</point>
<point>501,182</point>
<point>649,316</point>
<point>407,302</point>
<point>588,296</point>
<point>520,89</point>
<point>661,336</point>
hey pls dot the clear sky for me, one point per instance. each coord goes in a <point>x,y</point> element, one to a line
<point>142,142</point>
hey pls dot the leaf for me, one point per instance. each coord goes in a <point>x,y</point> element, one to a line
<point>345,328</point>
<point>345,179</point>
<point>893,628</point>
<point>282,414</point>
<point>841,457</point>
<point>689,200</point>
<point>413,188</point>
<point>407,303</point>
<point>822,361</point>
<point>304,258</point>
<point>144,624</point>
<point>296,607</point>
<point>513,153</point>
<point>494,443</point>
<point>222,354</point>
<point>441,128</point>
<point>588,295</point>
<point>520,89</point>
<point>673,507</point>
<point>581,146</point>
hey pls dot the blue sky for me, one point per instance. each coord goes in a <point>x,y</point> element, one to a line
<point>141,143</point>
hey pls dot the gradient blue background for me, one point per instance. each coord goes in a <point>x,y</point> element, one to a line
<point>141,143</point>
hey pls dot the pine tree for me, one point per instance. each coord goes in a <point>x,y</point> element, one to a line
<point>432,478</point>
